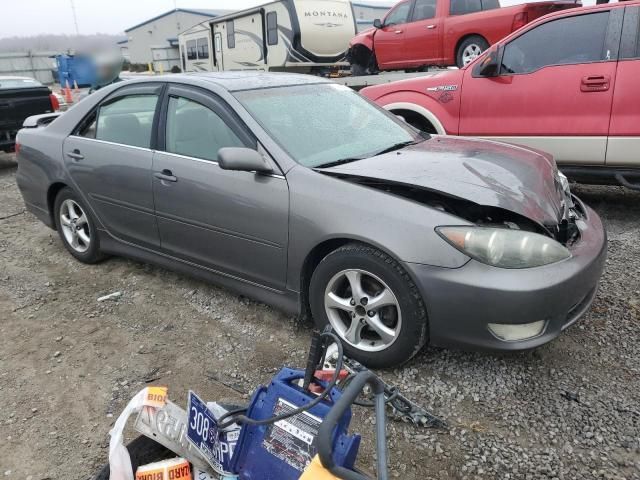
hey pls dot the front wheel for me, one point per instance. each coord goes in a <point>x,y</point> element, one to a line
<point>470,49</point>
<point>371,303</point>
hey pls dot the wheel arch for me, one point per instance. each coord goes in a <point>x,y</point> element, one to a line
<point>315,256</point>
<point>52,193</point>
<point>463,38</point>
<point>420,110</point>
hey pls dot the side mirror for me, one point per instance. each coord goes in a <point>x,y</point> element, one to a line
<point>242,160</point>
<point>377,23</point>
<point>489,66</point>
<point>400,117</point>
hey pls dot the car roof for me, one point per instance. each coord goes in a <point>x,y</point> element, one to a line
<point>235,81</point>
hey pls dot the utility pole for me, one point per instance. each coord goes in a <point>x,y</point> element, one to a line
<point>75,18</point>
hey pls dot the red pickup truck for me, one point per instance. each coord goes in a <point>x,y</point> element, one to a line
<point>418,33</point>
<point>566,84</point>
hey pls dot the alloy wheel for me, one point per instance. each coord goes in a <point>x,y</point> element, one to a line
<point>363,310</point>
<point>75,226</point>
<point>470,53</point>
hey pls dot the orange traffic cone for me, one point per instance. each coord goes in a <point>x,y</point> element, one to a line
<point>67,94</point>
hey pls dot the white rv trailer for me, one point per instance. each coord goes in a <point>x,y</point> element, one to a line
<point>305,36</point>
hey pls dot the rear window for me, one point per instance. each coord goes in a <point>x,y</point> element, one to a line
<point>10,83</point>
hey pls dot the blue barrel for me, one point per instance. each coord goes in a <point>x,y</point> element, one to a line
<point>76,68</point>
<point>283,450</point>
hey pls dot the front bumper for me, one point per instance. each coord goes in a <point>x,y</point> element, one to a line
<point>462,302</point>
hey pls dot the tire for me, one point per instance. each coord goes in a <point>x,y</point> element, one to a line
<point>72,215</point>
<point>358,70</point>
<point>403,321</point>
<point>142,451</point>
<point>473,42</point>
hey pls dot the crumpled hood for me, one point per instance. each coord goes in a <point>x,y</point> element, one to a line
<point>481,171</point>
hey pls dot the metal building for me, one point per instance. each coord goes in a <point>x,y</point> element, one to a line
<point>156,40</point>
<point>366,12</point>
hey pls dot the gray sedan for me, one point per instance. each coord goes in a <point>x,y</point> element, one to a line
<point>302,194</point>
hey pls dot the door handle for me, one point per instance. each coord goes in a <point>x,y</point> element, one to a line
<point>398,32</point>
<point>595,83</point>
<point>431,27</point>
<point>76,155</point>
<point>166,175</point>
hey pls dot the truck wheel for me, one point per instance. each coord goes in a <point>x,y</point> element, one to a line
<point>77,227</point>
<point>358,70</point>
<point>470,49</point>
<point>372,304</point>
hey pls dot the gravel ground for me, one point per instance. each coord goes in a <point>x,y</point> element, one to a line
<point>68,364</point>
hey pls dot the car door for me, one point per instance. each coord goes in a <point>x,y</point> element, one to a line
<point>389,41</point>
<point>235,223</point>
<point>623,149</point>
<point>423,34</point>
<point>554,91</point>
<point>109,160</point>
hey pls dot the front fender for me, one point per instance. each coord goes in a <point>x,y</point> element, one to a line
<point>441,109</point>
<point>327,208</point>
<point>363,39</point>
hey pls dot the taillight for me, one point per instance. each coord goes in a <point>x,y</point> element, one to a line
<point>17,147</point>
<point>519,21</point>
<point>55,104</point>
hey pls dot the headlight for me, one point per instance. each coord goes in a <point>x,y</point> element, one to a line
<point>504,248</point>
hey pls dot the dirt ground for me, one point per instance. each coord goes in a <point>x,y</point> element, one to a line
<point>68,364</point>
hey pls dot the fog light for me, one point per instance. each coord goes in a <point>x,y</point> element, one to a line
<point>512,332</point>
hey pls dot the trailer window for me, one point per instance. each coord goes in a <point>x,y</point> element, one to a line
<point>192,50</point>
<point>203,48</point>
<point>272,28</point>
<point>490,4</point>
<point>231,34</point>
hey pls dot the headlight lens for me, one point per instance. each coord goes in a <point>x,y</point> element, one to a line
<point>505,248</point>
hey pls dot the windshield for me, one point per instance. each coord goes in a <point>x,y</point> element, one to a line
<point>320,125</point>
<point>7,83</point>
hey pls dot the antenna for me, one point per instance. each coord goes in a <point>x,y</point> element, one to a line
<point>75,18</point>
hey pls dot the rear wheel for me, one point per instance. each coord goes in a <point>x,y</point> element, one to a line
<point>470,49</point>
<point>77,227</point>
<point>371,303</point>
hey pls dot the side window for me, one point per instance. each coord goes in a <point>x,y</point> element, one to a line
<point>231,34</point>
<point>490,4</point>
<point>203,48</point>
<point>87,128</point>
<point>424,10</point>
<point>463,7</point>
<point>399,15</point>
<point>272,28</point>
<point>192,50</point>
<point>127,120</point>
<point>197,131</point>
<point>566,41</point>
<point>630,47</point>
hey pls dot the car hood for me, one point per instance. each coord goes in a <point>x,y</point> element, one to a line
<point>481,171</point>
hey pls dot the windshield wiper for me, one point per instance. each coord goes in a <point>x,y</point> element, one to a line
<point>395,147</point>
<point>339,162</point>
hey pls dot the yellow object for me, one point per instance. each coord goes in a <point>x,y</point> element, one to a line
<point>176,469</point>
<point>155,397</point>
<point>315,471</point>
<point>150,67</point>
<point>161,70</point>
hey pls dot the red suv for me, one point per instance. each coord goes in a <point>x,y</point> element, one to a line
<point>566,84</point>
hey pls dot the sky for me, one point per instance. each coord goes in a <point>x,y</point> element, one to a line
<point>33,17</point>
